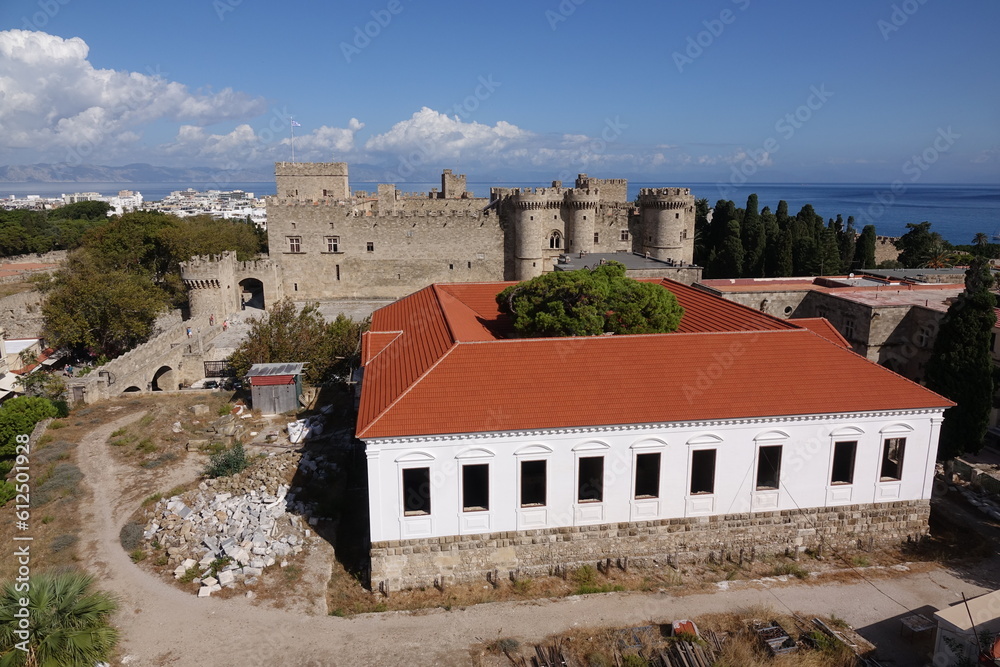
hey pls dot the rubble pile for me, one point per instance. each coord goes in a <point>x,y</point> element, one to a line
<point>252,520</point>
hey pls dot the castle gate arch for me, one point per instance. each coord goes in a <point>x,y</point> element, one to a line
<point>164,379</point>
<point>252,293</point>
<point>131,389</point>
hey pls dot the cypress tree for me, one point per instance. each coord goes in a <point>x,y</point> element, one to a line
<point>729,263</point>
<point>724,211</point>
<point>829,253</point>
<point>754,240</point>
<point>782,214</point>
<point>847,240</point>
<point>961,366</point>
<point>772,236</point>
<point>864,250</point>
<point>785,264</point>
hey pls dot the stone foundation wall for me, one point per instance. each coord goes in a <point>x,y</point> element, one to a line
<point>404,564</point>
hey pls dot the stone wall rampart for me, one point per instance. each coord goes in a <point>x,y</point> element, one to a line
<point>401,564</point>
<point>21,314</point>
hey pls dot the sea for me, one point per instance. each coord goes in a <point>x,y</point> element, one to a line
<point>957,212</point>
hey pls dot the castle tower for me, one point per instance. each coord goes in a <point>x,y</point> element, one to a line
<point>535,211</point>
<point>582,215</point>
<point>667,223</point>
<point>452,186</point>
<point>312,180</point>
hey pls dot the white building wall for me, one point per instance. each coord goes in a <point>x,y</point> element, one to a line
<point>807,458</point>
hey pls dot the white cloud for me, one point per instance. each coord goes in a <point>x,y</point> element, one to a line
<point>436,136</point>
<point>52,100</point>
<point>55,106</point>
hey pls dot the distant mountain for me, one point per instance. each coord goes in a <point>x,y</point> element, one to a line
<point>129,173</point>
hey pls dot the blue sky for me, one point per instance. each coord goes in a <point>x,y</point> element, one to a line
<point>781,91</point>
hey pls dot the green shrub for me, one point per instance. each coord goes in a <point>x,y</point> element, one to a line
<point>55,451</point>
<point>522,585</point>
<point>137,555</point>
<point>63,542</point>
<point>227,462</point>
<point>793,569</point>
<point>596,659</point>
<point>585,575</point>
<point>155,498</point>
<point>62,481</point>
<point>7,492</point>
<point>131,536</point>
<point>189,575</point>
<point>57,424</point>
<point>146,446</point>
<point>159,460</point>
<point>225,409</point>
<point>633,660</point>
<point>587,589</point>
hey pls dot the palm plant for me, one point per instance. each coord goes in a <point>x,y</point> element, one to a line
<point>68,622</point>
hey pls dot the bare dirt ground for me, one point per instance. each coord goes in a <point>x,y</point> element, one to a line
<point>162,625</point>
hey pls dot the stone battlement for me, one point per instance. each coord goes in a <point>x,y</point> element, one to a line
<point>665,192</point>
<point>310,169</point>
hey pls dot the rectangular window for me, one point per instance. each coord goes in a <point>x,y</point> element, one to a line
<point>848,329</point>
<point>597,238</point>
<point>476,487</point>
<point>333,244</point>
<point>532,483</point>
<point>294,244</point>
<point>647,475</point>
<point>338,271</point>
<point>371,246</point>
<point>768,467</point>
<point>416,491</point>
<point>892,459</point>
<point>703,471</point>
<point>843,462</point>
<point>590,484</point>
<point>624,235</point>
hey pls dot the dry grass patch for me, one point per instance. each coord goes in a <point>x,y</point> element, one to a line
<point>729,635</point>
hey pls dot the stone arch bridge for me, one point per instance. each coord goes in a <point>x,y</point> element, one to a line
<point>168,360</point>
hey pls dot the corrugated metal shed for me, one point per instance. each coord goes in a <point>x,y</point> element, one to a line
<point>275,388</point>
<point>258,370</point>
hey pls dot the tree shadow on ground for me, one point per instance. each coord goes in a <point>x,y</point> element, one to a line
<point>333,479</point>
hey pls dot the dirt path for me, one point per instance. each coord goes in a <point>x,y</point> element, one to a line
<point>161,625</point>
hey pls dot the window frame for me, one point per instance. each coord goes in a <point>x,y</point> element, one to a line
<point>467,470</point>
<point>657,477</point>
<point>884,458</point>
<point>332,244</point>
<point>580,499</point>
<point>776,469</point>
<point>545,483</point>
<point>715,467</point>
<point>853,465</point>
<point>294,244</point>
<point>404,496</point>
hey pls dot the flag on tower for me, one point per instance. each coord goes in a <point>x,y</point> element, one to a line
<point>296,124</point>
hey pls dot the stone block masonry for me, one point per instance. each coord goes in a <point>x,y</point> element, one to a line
<point>402,564</point>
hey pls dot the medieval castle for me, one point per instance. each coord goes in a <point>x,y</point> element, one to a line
<point>327,243</point>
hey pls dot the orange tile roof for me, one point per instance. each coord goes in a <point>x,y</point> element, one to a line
<point>822,327</point>
<point>449,371</point>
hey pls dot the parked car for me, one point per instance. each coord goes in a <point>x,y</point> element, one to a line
<point>211,384</point>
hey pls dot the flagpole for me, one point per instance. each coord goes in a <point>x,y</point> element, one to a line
<point>291,127</point>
